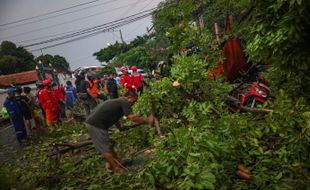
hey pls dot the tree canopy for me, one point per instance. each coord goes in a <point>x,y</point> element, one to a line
<point>14,59</point>
<point>58,62</point>
<point>17,59</point>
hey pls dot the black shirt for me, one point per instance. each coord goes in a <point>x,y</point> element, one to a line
<point>22,102</point>
<point>111,85</point>
<point>108,113</point>
<point>83,86</point>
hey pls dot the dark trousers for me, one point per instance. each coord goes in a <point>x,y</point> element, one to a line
<point>140,90</point>
<point>89,104</point>
<point>62,110</point>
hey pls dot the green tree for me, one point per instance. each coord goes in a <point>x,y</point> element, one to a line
<point>109,53</point>
<point>58,62</point>
<point>107,70</point>
<point>276,32</point>
<point>8,64</point>
<point>15,59</point>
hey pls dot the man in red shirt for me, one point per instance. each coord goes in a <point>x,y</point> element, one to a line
<point>127,82</point>
<point>50,103</point>
<point>137,79</point>
<point>60,92</point>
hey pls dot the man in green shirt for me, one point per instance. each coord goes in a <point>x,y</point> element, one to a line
<point>103,117</point>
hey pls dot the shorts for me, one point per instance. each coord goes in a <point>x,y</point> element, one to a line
<point>100,137</point>
<point>27,115</point>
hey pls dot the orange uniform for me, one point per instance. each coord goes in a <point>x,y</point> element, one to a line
<point>50,103</point>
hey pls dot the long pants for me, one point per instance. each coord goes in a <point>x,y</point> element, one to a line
<point>20,129</point>
<point>62,110</point>
<point>52,116</point>
<point>89,104</point>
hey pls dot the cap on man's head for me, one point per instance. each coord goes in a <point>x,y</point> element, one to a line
<point>11,90</point>
<point>134,68</point>
<point>46,82</point>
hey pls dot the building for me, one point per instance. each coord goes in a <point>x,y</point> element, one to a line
<point>22,78</point>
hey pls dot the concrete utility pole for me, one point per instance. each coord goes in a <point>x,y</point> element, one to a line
<point>120,32</point>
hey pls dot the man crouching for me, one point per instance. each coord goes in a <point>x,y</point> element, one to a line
<point>105,116</point>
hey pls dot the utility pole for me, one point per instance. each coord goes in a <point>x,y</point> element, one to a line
<point>120,32</point>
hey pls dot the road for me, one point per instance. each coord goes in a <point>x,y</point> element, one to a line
<point>10,149</point>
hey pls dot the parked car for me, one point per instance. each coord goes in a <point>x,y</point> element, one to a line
<point>143,73</point>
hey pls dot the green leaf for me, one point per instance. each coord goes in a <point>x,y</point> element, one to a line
<point>279,176</point>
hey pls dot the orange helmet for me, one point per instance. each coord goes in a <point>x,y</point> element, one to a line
<point>46,82</point>
<point>134,68</point>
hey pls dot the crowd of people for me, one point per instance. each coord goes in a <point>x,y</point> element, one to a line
<point>46,107</point>
<point>51,101</point>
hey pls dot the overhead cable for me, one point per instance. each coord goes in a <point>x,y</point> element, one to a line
<point>95,33</point>
<point>48,13</point>
<point>91,29</point>
<point>63,23</point>
<point>54,16</point>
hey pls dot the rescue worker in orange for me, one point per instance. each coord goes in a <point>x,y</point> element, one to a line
<point>50,103</point>
<point>93,90</point>
<point>127,82</point>
<point>137,79</point>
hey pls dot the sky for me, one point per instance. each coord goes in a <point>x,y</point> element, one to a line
<point>35,24</point>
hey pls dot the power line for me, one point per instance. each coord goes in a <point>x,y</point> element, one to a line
<point>48,13</point>
<point>39,20</point>
<point>52,35</point>
<point>113,26</point>
<point>130,8</point>
<point>140,25</point>
<point>95,33</point>
<point>91,29</point>
<point>80,38</point>
<point>68,22</point>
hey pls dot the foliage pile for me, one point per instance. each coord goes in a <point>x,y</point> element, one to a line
<point>205,142</point>
<point>278,35</point>
<point>79,169</point>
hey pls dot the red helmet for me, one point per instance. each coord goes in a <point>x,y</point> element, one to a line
<point>46,82</point>
<point>134,68</point>
<point>122,69</point>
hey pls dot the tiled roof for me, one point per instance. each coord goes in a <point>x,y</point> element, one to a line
<point>26,77</point>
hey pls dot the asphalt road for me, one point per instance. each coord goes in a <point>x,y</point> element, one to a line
<point>10,149</point>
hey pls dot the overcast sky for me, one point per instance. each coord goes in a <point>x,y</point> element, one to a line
<point>91,13</point>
